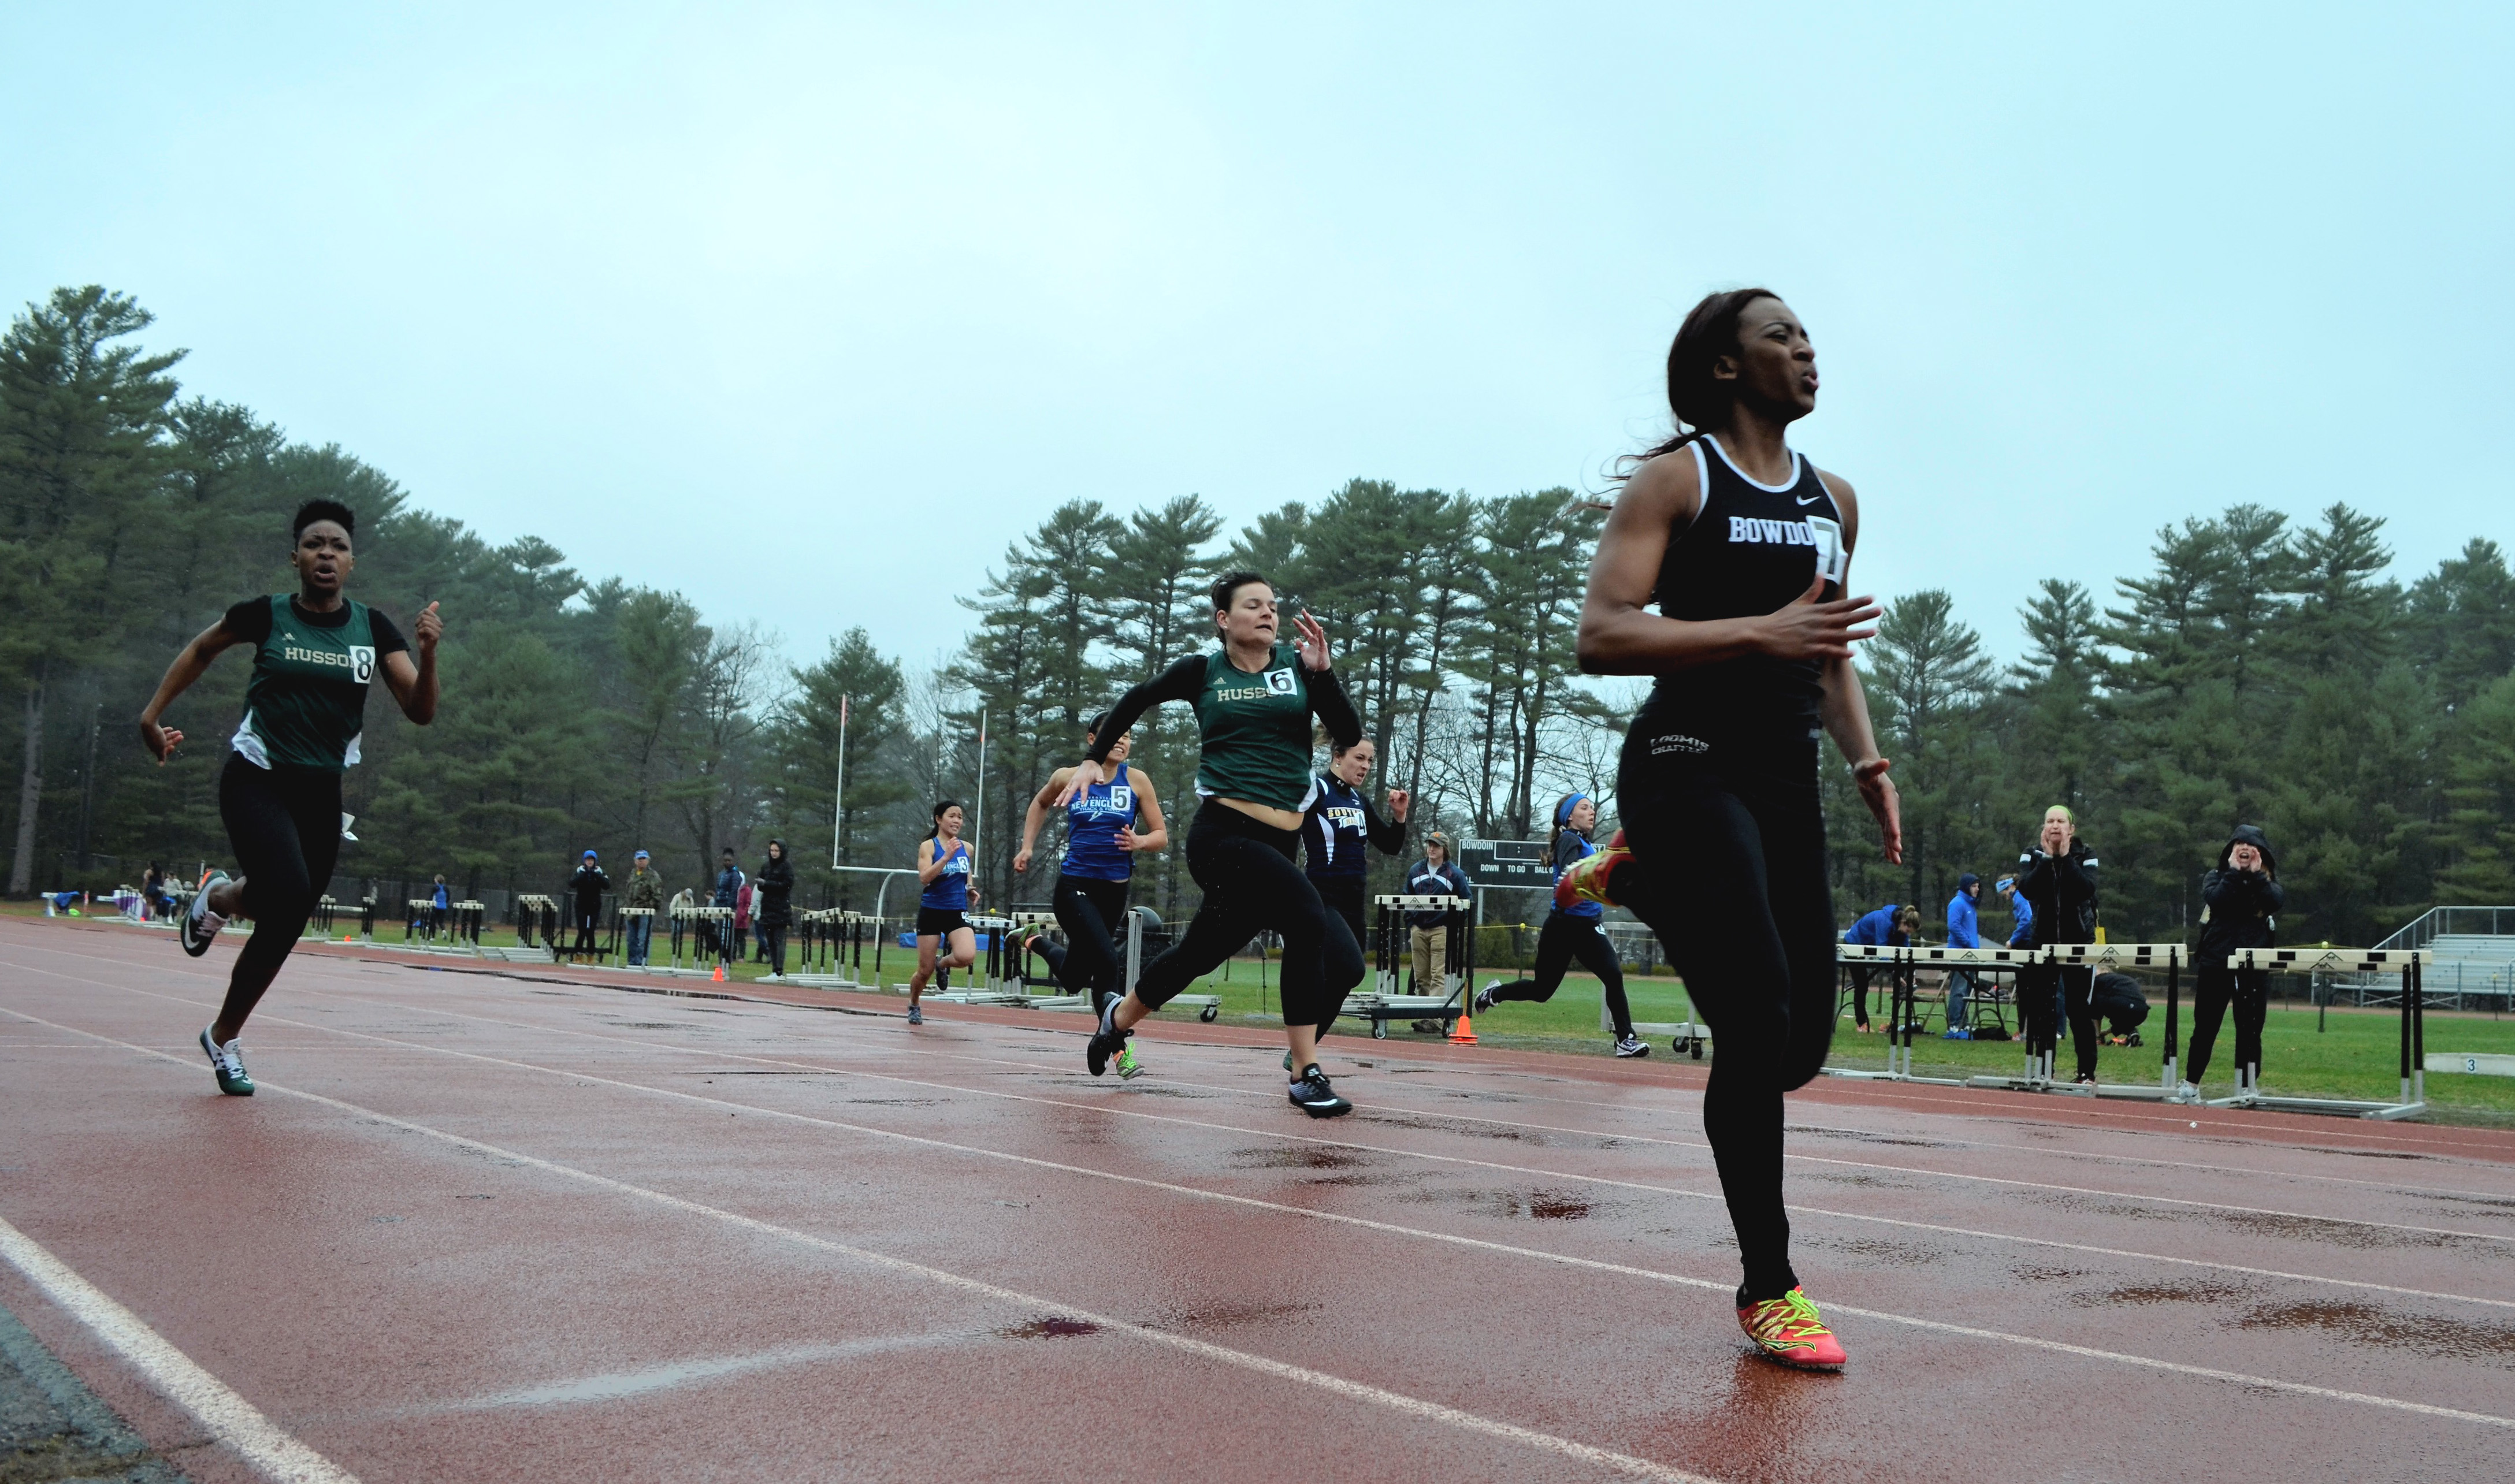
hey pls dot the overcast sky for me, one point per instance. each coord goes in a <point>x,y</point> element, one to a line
<point>805,310</point>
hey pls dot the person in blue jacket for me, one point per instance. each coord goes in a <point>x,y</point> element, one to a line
<point>1964,931</point>
<point>2021,913</point>
<point>1890,927</point>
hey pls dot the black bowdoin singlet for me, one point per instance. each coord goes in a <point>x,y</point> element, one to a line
<point>1751,549</point>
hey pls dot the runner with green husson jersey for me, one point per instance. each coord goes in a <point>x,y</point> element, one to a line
<point>314,653</point>
<point>1254,701</point>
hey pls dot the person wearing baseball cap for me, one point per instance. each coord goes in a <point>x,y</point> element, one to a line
<point>1427,933</point>
<point>587,887</point>
<point>644,888</point>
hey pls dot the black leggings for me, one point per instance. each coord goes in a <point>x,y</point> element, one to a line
<point>588,923</point>
<point>1729,870</point>
<point>2076,986</point>
<point>1563,938</point>
<point>1343,895</point>
<point>1246,871</point>
<point>775,939</point>
<point>1090,959</point>
<point>2251,993</point>
<point>285,826</point>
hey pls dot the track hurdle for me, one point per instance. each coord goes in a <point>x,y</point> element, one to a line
<point>1145,922</point>
<point>2165,958</point>
<point>1391,943</point>
<point>1902,1006</point>
<point>1027,922</point>
<point>2411,963</point>
<point>537,915</point>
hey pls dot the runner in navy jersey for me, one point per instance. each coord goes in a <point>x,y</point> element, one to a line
<point>1340,822</point>
<point>944,937</point>
<point>1089,897</point>
<point>1745,547</point>
<point>314,653</point>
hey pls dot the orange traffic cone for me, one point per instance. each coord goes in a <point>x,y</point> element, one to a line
<point>1465,1032</point>
<point>720,973</point>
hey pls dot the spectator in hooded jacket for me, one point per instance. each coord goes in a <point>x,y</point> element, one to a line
<point>2057,877</point>
<point>2240,905</point>
<point>585,901</point>
<point>772,893</point>
<point>1890,927</point>
<point>1964,931</point>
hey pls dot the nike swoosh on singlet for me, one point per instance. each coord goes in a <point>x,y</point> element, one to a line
<point>1810,499</point>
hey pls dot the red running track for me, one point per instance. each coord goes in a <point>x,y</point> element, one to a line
<point>524,1225</point>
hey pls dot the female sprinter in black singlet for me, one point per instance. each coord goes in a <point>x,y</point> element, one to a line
<point>1745,547</point>
<point>305,710</point>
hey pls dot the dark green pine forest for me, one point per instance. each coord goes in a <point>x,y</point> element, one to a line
<point>2264,669</point>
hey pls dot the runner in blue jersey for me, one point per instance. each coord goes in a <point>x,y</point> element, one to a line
<point>944,938</point>
<point>1089,897</point>
<point>1575,932</point>
<point>314,653</point>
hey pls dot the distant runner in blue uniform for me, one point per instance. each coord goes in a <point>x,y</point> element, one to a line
<point>944,939</point>
<point>1089,897</point>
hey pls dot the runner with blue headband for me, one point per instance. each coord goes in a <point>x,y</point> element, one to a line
<point>1577,930</point>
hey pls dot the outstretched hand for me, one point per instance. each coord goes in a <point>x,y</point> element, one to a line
<point>1313,639</point>
<point>1877,790</point>
<point>1086,773</point>
<point>161,741</point>
<point>1804,629</point>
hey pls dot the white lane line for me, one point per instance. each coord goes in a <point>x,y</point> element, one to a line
<point>2143,1362</point>
<point>1461,1116</point>
<point>1964,1110</point>
<point>227,1416</point>
<point>1936,1228</point>
<point>727,1055</point>
<point>1352,1390</point>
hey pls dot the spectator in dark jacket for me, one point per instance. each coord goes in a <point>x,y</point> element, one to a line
<point>2057,877</point>
<point>773,888</point>
<point>2122,1007</point>
<point>584,894</point>
<point>1427,933</point>
<point>721,935</point>
<point>2240,905</point>
<point>1890,927</point>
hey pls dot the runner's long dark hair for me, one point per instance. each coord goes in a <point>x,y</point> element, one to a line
<point>1698,400</point>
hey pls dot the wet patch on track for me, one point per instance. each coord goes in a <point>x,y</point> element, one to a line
<point>1053,1328</point>
<point>2371,1324</point>
<point>1512,1205</point>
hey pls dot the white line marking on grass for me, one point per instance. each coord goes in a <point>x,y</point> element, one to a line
<point>311,1468</point>
<point>229,1418</point>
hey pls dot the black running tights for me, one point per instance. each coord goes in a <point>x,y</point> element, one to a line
<point>2076,990</point>
<point>1246,871</point>
<point>1089,960</point>
<point>1562,939</point>
<point>285,826</point>
<point>2251,993</point>
<point>1729,870</point>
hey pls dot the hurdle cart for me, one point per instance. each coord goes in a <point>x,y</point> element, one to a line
<point>1384,1000</point>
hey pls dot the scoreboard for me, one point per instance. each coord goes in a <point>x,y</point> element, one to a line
<point>1525,863</point>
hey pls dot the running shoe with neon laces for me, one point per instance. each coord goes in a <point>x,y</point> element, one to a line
<point>1129,1069</point>
<point>1631,1045</point>
<point>1311,1095</point>
<point>226,1063</point>
<point>1788,1329</point>
<point>1106,1042</point>
<point>1588,879</point>
<point>200,925</point>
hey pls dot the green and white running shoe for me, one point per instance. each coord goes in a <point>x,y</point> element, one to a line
<point>200,925</point>
<point>226,1063</point>
<point>1129,1068</point>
